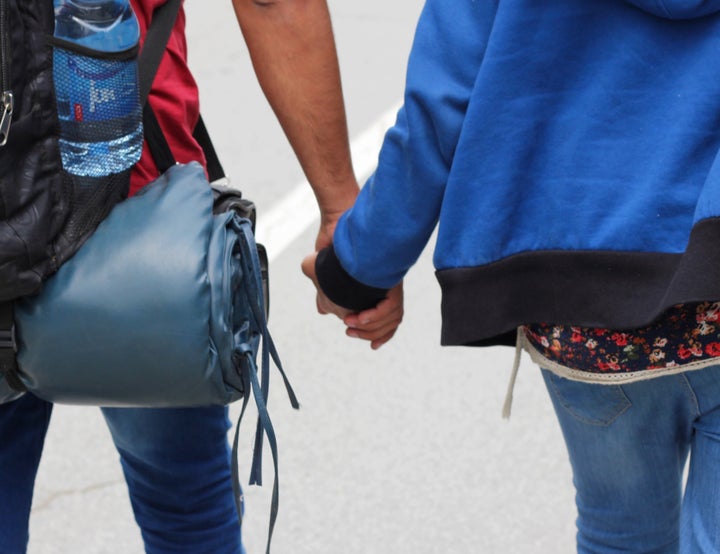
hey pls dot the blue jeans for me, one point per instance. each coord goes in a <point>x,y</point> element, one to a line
<point>176,463</point>
<point>628,445</point>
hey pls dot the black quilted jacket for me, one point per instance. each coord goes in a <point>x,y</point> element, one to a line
<point>35,197</point>
<point>45,214</point>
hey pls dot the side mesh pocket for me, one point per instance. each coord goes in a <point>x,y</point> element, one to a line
<point>101,135</point>
<point>92,199</point>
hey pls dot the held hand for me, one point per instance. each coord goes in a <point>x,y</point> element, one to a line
<point>343,197</point>
<point>379,324</point>
<point>324,304</point>
<point>327,228</point>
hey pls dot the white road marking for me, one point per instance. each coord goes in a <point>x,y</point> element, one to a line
<point>297,211</point>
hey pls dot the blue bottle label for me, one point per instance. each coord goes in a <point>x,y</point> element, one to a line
<point>93,90</point>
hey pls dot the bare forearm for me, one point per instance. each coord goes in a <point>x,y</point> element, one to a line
<point>293,52</point>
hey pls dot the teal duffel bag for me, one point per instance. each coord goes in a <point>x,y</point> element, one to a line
<point>162,306</point>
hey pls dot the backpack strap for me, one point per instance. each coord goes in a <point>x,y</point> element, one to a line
<point>156,40</point>
<point>162,154</point>
<point>8,348</point>
<point>214,168</point>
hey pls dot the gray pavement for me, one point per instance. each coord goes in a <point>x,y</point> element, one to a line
<point>397,451</point>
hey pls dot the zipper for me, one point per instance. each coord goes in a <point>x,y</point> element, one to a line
<point>6,95</point>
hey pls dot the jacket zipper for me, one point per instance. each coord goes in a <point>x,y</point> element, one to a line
<point>6,96</point>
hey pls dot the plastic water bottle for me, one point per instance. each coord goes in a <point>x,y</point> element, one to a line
<point>96,84</point>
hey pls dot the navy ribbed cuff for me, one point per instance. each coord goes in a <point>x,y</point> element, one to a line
<point>340,287</point>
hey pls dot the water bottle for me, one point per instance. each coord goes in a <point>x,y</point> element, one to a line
<point>96,85</point>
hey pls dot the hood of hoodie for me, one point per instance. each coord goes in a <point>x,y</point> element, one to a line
<point>678,9</point>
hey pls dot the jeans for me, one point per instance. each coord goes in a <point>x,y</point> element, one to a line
<point>628,445</point>
<point>176,463</point>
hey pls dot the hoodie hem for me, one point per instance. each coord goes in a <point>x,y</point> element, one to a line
<point>482,306</point>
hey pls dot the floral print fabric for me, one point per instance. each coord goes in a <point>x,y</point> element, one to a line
<point>685,333</point>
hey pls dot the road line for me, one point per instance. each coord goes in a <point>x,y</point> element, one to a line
<point>297,211</point>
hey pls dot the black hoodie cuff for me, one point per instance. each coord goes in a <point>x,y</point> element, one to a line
<point>343,289</point>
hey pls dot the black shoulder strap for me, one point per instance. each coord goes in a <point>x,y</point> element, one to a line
<point>214,168</point>
<point>8,348</point>
<point>156,40</point>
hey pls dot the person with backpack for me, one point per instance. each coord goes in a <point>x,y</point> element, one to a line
<point>569,152</point>
<point>177,461</point>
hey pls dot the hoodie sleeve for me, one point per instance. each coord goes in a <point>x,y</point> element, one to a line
<point>678,9</point>
<point>377,240</point>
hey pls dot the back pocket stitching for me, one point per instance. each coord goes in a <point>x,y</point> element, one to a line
<point>623,402</point>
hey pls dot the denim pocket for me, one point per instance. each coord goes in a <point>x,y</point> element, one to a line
<point>587,402</point>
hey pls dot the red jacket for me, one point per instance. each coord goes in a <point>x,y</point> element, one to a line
<point>174,98</point>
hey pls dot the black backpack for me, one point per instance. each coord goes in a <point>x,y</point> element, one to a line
<point>40,216</point>
<point>45,215</point>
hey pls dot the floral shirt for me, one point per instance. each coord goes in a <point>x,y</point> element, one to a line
<point>687,336</point>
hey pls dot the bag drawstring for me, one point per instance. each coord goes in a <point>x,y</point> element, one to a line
<point>246,365</point>
<point>507,406</point>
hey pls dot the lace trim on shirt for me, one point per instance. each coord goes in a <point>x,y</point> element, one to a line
<point>686,337</point>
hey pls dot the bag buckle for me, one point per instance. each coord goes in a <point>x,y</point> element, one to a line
<point>7,338</point>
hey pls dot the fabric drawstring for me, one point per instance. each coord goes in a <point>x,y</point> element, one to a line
<point>251,383</point>
<point>507,407</point>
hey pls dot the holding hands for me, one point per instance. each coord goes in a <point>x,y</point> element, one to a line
<point>377,325</point>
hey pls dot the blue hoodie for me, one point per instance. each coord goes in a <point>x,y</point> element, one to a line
<point>569,150</point>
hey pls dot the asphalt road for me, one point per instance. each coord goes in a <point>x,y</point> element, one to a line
<point>397,451</point>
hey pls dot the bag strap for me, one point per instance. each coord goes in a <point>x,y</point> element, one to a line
<point>8,348</point>
<point>214,168</point>
<point>156,39</point>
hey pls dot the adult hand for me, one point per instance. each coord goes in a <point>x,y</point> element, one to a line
<point>330,211</point>
<point>328,221</point>
<point>324,304</point>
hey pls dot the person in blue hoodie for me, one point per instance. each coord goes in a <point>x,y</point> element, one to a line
<point>569,153</point>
